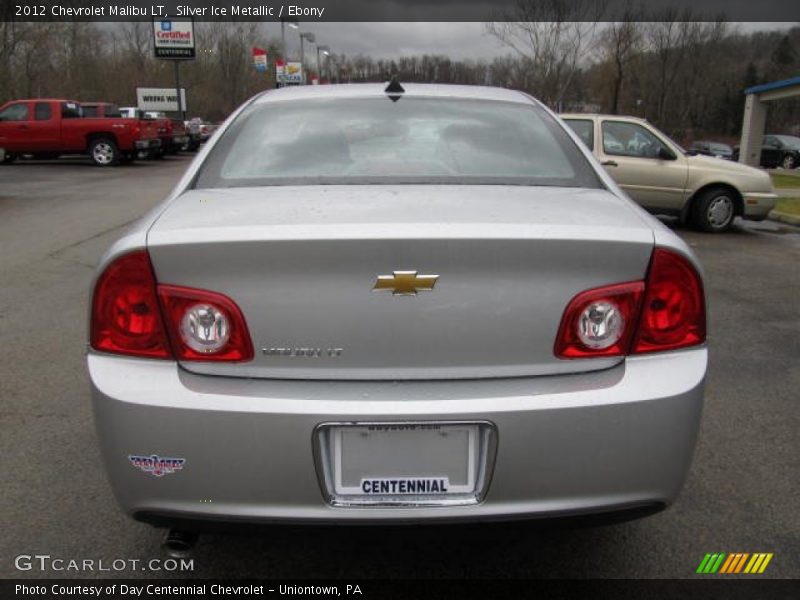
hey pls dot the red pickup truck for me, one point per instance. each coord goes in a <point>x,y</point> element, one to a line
<point>107,110</point>
<point>171,131</point>
<point>48,128</point>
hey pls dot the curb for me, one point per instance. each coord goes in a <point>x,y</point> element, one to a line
<point>783,217</point>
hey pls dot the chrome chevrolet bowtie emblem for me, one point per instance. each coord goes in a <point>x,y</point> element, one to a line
<point>405,283</point>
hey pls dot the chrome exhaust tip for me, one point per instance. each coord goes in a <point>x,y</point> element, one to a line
<point>179,544</point>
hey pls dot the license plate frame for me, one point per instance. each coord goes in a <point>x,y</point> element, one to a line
<point>481,445</point>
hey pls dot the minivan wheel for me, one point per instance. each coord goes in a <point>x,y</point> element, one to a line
<point>104,152</point>
<point>8,158</point>
<point>788,162</point>
<point>714,210</point>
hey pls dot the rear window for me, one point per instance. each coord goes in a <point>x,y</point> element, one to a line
<point>42,111</point>
<point>413,140</point>
<point>71,110</point>
<point>112,112</point>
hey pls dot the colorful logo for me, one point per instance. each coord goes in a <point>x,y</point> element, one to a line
<point>735,562</point>
<point>157,465</point>
<point>166,25</point>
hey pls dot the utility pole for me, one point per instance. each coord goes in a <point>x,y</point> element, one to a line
<point>181,107</point>
<point>305,36</point>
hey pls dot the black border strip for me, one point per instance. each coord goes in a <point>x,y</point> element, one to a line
<point>310,11</point>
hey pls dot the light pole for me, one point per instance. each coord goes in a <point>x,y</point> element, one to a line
<point>326,50</point>
<point>294,24</point>
<point>305,36</point>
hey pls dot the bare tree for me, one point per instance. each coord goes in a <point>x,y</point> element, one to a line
<point>668,42</point>
<point>621,42</point>
<point>553,38</point>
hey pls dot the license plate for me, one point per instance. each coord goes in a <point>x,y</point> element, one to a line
<point>404,463</point>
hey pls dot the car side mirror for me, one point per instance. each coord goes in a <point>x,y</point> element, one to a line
<point>665,154</point>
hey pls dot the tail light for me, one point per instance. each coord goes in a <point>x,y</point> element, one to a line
<point>665,312</point>
<point>134,316</point>
<point>674,312</point>
<point>600,322</point>
<point>204,325</point>
<point>125,315</point>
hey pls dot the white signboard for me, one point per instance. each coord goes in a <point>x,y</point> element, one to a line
<point>290,72</point>
<point>159,99</point>
<point>260,62</point>
<point>173,38</point>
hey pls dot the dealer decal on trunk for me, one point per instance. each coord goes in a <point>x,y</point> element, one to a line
<point>156,465</point>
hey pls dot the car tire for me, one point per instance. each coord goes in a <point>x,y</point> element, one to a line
<point>8,158</point>
<point>104,152</point>
<point>713,210</point>
<point>788,162</point>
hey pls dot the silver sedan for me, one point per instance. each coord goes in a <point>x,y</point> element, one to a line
<point>412,303</point>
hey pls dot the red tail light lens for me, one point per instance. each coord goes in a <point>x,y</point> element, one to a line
<point>600,321</point>
<point>673,314</point>
<point>125,312</point>
<point>205,325</point>
<point>666,312</point>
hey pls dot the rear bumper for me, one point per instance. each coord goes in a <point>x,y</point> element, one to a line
<point>758,205</point>
<point>147,144</point>
<point>567,445</point>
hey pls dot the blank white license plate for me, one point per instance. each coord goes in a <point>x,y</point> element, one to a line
<point>391,460</point>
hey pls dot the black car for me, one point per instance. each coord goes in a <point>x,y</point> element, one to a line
<point>781,151</point>
<point>717,149</point>
<point>778,151</point>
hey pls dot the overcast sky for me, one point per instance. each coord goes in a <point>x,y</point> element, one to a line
<point>391,40</point>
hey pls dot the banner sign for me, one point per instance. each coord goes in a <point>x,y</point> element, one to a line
<point>260,59</point>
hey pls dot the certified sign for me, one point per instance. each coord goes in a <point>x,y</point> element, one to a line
<point>173,38</point>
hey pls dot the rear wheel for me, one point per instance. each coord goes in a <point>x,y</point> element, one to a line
<point>788,162</point>
<point>714,210</point>
<point>8,158</point>
<point>104,152</point>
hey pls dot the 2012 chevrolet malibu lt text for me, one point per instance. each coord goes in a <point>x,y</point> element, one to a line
<point>406,303</point>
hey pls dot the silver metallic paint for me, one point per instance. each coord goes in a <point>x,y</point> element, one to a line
<point>618,436</point>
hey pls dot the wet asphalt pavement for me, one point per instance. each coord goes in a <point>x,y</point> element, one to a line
<point>742,494</point>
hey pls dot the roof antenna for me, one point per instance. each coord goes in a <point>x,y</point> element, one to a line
<point>394,89</point>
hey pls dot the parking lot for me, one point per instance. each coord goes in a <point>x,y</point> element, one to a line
<point>56,220</point>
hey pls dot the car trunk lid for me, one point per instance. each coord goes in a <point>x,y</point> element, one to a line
<point>302,262</point>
